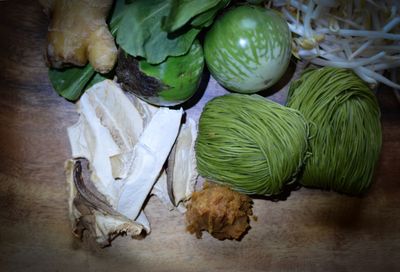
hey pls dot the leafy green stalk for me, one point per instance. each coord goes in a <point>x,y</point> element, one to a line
<point>205,19</point>
<point>70,82</point>
<point>140,32</point>
<point>183,11</point>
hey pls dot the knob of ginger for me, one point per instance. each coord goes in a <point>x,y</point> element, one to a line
<point>78,33</point>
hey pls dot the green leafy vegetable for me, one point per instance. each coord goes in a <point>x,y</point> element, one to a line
<point>182,11</point>
<point>137,26</point>
<point>96,79</point>
<point>116,15</point>
<point>140,32</point>
<point>254,1</point>
<point>71,82</point>
<point>206,18</point>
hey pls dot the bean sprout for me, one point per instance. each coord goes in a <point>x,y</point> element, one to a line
<point>359,35</point>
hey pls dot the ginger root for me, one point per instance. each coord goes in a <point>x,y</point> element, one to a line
<point>78,32</point>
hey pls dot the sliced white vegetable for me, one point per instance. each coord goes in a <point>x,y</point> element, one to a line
<point>160,190</point>
<point>150,153</point>
<point>126,142</point>
<point>184,173</point>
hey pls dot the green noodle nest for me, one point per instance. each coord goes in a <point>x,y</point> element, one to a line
<point>345,128</point>
<point>251,144</point>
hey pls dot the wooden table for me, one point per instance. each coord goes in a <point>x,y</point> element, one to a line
<point>311,230</point>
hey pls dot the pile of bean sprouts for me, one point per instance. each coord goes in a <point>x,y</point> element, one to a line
<point>362,35</point>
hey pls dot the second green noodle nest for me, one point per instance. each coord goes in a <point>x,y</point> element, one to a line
<point>345,126</point>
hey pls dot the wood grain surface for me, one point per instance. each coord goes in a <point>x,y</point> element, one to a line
<point>311,230</point>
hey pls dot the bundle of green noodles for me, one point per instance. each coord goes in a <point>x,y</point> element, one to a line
<point>252,144</point>
<point>345,126</point>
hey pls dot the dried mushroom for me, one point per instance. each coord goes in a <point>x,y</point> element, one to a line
<point>126,144</point>
<point>90,210</point>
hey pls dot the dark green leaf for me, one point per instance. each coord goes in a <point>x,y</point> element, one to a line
<point>70,82</point>
<point>140,32</point>
<point>96,79</point>
<point>182,11</point>
<point>116,15</point>
<point>205,19</point>
<point>255,1</point>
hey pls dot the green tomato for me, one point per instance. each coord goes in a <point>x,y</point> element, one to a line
<point>169,83</point>
<point>248,49</point>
